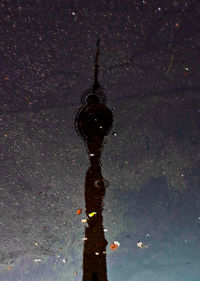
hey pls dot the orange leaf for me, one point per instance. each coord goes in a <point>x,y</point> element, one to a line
<point>79,211</point>
<point>113,247</point>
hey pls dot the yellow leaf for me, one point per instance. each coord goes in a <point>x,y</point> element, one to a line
<point>92,214</point>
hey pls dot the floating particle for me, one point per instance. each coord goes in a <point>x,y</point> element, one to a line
<point>113,246</point>
<point>37,260</point>
<point>177,24</point>
<point>116,243</point>
<point>114,134</point>
<point>79,211</point>
<point>140,244</point>
<point>92,214</point>
<point>96,253</point>
<point>84,239</point>
<point>105,230</point>
<point>84,220</point>
<point>64,260</point>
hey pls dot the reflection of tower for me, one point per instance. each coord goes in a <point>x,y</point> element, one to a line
<point>93,123</point>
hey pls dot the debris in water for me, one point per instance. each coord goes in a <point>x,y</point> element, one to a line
<point>170,65</point>
<point>140,244</point>
<point>79,211</point>
<point>37,260</point>
<point>114,245</point>
<point>84,220</point>
<point>92,214</point>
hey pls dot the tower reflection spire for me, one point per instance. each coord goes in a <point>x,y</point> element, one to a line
<point>93,123</point>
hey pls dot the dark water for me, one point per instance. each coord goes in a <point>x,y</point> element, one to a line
<point>125,157</point>
<point>140,194</point>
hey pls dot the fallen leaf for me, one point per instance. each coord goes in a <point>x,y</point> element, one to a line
<point>79,211</point>
<point>113,246</point>
<point>92,214</point>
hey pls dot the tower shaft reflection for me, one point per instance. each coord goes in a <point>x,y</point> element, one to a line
<point>93,123</point>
